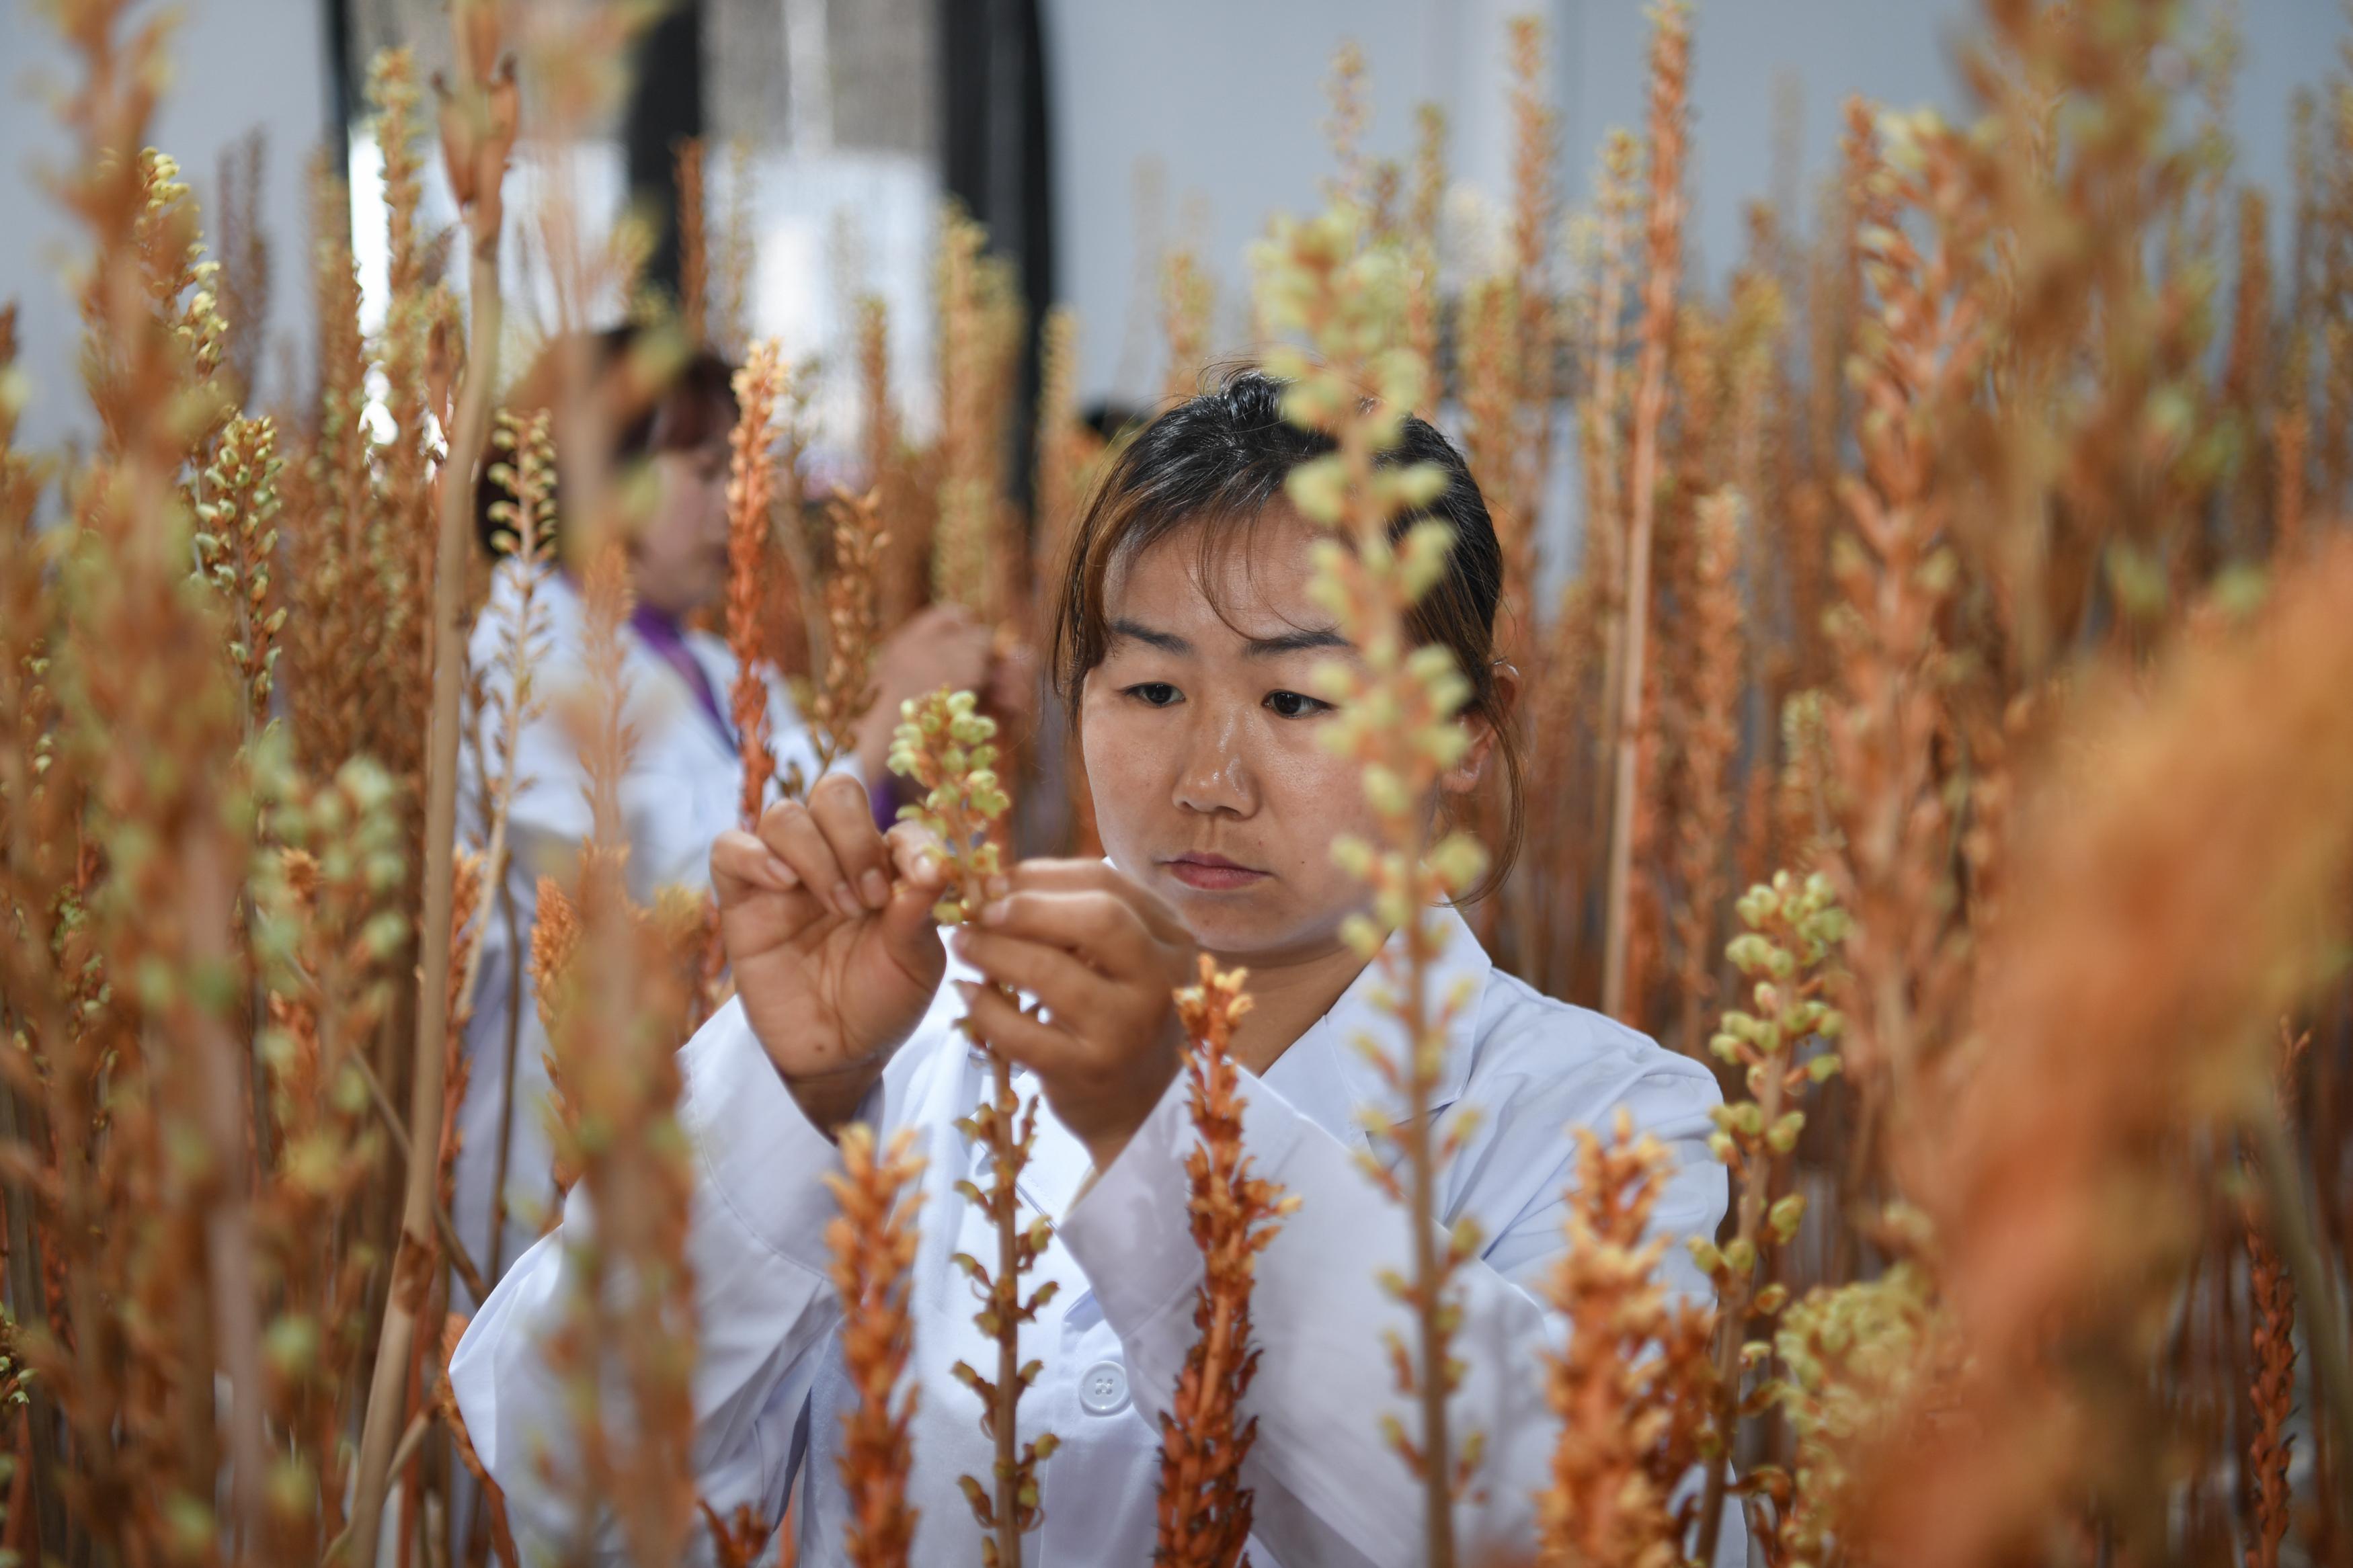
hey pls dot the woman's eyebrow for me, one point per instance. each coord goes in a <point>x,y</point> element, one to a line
<point>1166,642</point>
<point>1306,639</point>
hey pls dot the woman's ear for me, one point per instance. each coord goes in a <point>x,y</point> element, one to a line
<point>1464,775</point>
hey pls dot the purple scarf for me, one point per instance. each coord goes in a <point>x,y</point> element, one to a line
<point>667,639</point>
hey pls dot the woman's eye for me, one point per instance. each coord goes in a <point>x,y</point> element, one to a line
<point>1294,705</point>
<point>1152,693</point>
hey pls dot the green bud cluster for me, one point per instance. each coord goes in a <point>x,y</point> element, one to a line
<point>947,745</point>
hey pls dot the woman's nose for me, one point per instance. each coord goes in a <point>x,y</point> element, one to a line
<point>1217,775</point>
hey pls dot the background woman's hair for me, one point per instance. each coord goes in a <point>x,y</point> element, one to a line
<point>1215,463</point>
<point>663,401</point>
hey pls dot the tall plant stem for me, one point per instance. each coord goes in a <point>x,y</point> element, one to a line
<point>388,1392</point>
<point>2326,1333</point>
<point>211,895</point>
<point>1009,1341</point>
<point>1436,1450</point>
<point>1661,271</point>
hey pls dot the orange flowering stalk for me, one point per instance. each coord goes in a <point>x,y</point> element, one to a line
<point>2273,1354</point>
<point>980,326</point>
<point>1535,201</point>
<point>1710,742</point>
<point>238,519</point>
<point>873,1243</point>
<point>836,703</point>
<point>944,745</point>
<point>1632,1388</point>
<point>1204,1510</point>
<point>1896,572</point>
<point>729,308</point>
<point>693,250</point>
<point>1186,300</point>
<point>1065,444</point>
<point>1663,230</point>
<point>751,490</point>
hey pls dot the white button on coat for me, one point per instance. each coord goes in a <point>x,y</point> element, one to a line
<point>1103,1389</point>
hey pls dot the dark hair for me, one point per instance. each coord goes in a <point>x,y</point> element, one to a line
<point>662,401</point>
<point>1219,459</point>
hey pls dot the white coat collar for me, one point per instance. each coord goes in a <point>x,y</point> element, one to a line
<point>1327,1077</point>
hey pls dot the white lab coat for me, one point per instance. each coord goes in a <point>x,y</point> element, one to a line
<point>770,1387</point>
<point>683,788</point>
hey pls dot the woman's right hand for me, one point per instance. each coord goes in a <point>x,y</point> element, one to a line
<point>828,930</point>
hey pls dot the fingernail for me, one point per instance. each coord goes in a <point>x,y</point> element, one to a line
<point>993,912</point>
<point>999,887</point>
<point>846,900</point>
<point>876,888</point>
<point>968,989</point>
<point>784,875</point>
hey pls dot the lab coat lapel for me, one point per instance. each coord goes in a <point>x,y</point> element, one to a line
<point>1337,1086</point>
<point>1057,1161</point>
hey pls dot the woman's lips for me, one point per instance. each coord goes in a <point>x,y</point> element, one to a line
<point>1213,873</point>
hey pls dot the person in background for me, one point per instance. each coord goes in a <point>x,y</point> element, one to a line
<point>671,415</point>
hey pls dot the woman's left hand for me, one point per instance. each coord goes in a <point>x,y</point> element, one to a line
<point>1105,956</point>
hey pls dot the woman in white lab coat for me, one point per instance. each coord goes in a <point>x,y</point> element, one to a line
<point>1186,648</point>
<point>684,783</point>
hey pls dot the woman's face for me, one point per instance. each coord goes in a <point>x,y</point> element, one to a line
<point>1203,743</point>
<point>678,559</point>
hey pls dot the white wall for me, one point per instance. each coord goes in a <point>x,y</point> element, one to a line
<point>237,64</point>
<point>1224,96</point>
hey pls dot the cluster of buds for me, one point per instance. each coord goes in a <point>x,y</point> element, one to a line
<point>947,745</point>
<point>1789,953</point>
<point>1851,1355</point>
<point>1794,929</point>
<point>237,538</point>
<point>853,626</point>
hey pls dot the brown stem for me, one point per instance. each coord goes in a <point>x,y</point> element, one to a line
<point>2327,1333</point>
<point>1437,1451</point>
<point>1009,1328</point>
<point>459,1258</point>
<point>228,1222</point>
<point>388,1390</point>
<point>1732,1325</point>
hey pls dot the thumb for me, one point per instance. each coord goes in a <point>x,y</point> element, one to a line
<point>906,924</point>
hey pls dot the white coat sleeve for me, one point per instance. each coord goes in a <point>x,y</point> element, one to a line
<point>755,1244</point>
<point>1329,1489</point>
